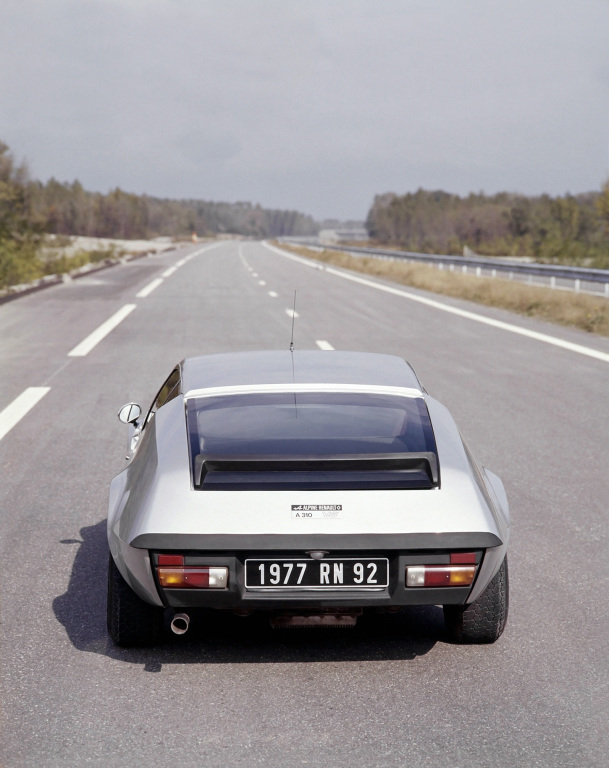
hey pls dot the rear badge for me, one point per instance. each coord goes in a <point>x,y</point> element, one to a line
<point>316,511</point>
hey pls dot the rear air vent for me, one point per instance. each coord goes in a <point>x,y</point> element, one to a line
<point>354,472</point>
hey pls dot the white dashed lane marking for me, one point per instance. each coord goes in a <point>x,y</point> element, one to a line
<point>325,345</point>
<point>149,288</point>
<point>93,339</point>
<point>21,405</point>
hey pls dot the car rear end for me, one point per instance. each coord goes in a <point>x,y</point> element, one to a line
<point>315,506</point>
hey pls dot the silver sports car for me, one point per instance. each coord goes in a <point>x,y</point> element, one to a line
<point>312,486</point>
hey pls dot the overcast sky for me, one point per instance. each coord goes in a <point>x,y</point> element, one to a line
<point>315,105</point>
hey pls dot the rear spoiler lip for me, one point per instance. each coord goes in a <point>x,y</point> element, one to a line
<point>366,542</point>
<point>427,461</point>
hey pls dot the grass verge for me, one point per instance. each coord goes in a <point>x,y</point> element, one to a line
<point>22,264</point>
<point>579,310</point>
<point>58,263</point>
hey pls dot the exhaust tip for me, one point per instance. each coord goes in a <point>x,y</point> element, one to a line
<point>180,623</point>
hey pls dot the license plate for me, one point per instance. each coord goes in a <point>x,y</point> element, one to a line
<point>329,573</point>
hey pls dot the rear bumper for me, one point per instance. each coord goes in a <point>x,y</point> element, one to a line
<point>237,597</point>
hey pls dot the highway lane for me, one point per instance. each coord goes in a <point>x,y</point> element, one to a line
<point>388,693</point>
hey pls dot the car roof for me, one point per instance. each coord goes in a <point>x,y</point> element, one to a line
<point>298,367</point>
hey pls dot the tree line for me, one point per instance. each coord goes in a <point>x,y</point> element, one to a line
<point>570,229</point>
<point>30,209</point>
<point>19,239</point>
<point>68,209</point>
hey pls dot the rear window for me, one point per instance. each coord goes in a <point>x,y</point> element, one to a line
<point>310,440</point>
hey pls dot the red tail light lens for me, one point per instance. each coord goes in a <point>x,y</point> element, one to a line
<point>463,558</point>
<point>171,559</point>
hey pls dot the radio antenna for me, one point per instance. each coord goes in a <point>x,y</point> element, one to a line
<point>293,317</point>
<point>292,353</point>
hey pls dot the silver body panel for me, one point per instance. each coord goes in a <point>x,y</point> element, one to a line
<point>153,504</point>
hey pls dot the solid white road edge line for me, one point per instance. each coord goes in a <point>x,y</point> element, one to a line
<point>169,272</point>
<point>544,337</point>
<point>325,345</point>
<point>93,339</point>
<point>147,290</point>
<point>14,412</point>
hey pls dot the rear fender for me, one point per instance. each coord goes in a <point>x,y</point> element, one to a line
<point>490,565</point>
<point>135,567</point>
<point>497,491</point>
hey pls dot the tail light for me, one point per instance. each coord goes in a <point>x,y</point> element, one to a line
<point>173,574</point>
<point>440,575</point>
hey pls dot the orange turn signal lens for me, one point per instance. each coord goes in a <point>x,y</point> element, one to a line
<point>462,577</point>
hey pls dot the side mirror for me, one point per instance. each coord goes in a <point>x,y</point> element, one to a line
<point>130,413</point>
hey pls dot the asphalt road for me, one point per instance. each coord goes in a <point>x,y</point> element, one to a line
<point>391,692</point>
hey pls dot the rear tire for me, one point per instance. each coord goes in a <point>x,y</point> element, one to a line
<point>484,620</point>
<point>131,621</point>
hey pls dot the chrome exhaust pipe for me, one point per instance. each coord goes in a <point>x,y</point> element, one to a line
<point>180,623</point>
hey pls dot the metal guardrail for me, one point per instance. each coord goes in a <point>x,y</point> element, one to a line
<point>498,265</point>
<point>594,282</point>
